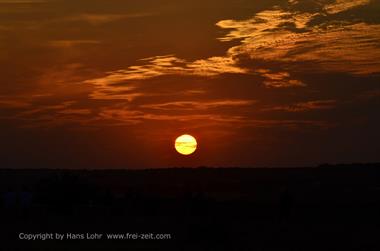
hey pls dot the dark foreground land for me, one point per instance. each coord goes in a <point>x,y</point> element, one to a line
<point>322,208</point>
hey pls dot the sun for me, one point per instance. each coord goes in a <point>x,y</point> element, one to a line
<point>185,144</point>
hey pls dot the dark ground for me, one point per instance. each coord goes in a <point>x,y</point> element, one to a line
<point>321,208</point>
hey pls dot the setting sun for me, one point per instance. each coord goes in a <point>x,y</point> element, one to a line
<point>185,144</point>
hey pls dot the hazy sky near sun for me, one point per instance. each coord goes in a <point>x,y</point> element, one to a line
<point>112,83</point>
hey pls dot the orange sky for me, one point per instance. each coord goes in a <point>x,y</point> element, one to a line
<point>111,84</point>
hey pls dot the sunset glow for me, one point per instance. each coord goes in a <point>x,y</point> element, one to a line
<point>190,124</point>
<point>99,83</point>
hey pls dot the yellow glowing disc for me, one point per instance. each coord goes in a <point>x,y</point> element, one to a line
<point>186,144</point>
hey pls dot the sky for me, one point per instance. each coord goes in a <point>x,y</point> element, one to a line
<point>112,83</point>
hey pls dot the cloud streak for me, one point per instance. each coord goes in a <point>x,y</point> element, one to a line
<point>133,117</point>
<point>305,106</point>
<point>198,105</point>
<point>103,18</point>
<point>121,84</point>
<point>71,43</point>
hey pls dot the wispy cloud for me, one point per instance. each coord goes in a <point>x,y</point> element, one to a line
<point>126,116</point>
<point>118,84</point>
<point>21,1</point>
<point>76,111</point>
<point>135,117</point>
<point>102,18</point>
<point>368,95</point>
<point>13,103</point>
<point>71,43</point>
<point>44,109</point>
<point>305,106</point>
<point>198,105</point>
<point>343,5</point>
<point>47,115</point>
<point>171,65</point>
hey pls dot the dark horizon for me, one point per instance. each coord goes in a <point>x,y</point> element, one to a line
<point>323,165</point>
<point>195,208</point>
